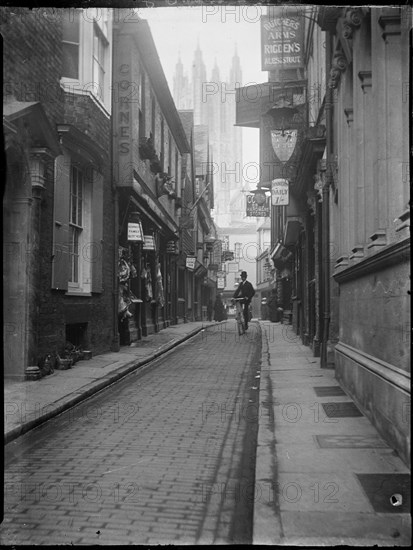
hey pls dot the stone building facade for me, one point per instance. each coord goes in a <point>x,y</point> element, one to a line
<point>369,211</point>
<point>341,246</point>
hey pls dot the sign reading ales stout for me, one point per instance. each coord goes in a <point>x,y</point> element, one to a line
<point>281,42</point>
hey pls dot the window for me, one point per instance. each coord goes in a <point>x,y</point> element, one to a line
<point>141,87</point>
<point>169,153</point>
<point>78,225</point>
<point>100,45</point>
<point>86,44</point>
<point>162,144</point>
<point>176,170</point>
<point>71,40</point>
<point>153,122</point>
<point>142,125</point>
<point>75,223</point>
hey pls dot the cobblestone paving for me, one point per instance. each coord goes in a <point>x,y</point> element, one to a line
<point>156,459</point>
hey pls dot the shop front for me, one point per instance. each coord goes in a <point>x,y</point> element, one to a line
<point>147,270</point>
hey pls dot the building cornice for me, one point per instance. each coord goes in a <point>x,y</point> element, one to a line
<point>387,256</point>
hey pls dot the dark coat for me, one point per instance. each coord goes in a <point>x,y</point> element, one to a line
<point>245,290</point>
<point>219,310</point>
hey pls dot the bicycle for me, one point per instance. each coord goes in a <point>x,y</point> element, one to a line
<point>239,315</point>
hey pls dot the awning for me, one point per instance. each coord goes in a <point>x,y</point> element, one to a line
<point>42,134</point>
<point>280,256</point>
<point>81,144</point>
<point>153,209</point>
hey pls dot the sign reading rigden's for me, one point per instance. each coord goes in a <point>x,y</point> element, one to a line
<point>281,42</point>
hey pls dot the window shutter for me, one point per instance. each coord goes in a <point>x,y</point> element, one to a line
<point>96,246</point>
<point>60,263</point>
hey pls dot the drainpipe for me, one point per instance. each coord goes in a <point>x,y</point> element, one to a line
<point>114,177</point>
<point>326,204</point>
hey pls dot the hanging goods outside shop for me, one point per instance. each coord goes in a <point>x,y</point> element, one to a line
<point>160,298</point>
<point>164,185</point>
<point>147,281</point>
<point>126,271</point>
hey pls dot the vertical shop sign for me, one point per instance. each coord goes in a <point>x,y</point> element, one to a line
<point>122,117</point>
<point>281,42</point>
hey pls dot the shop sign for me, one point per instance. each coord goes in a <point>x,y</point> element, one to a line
<point>280,192</point>
<point>233,267</point>
<point>256,210</point>
<point>190,263</point>
<point>225,242</point>
<point>220,274</point>
<point>149,242</point>
<point>281,42</point>
<point>135,232</point>
<point>171,247</point>
<point>220,282</point>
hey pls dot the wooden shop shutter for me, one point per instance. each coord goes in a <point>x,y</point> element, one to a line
<point>60,260</point>
<point>96,247</point>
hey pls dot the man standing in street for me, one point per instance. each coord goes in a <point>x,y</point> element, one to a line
<point>245,290</point>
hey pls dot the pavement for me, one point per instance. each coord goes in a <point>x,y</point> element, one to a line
<point>324,476</point>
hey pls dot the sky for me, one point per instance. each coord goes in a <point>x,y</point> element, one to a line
<point>219,30</point>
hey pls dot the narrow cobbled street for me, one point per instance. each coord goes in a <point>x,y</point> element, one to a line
<point>164,456</point>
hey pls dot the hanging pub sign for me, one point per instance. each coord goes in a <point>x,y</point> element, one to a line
<point>149,242</point>
<point>171,247</point>
<point>283,143</point>
<point>281,41</point>
<point>256,210</point>
<point>280,192</point>
<point>190,262</point>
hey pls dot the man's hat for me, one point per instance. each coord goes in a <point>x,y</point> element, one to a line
<point>244,273</point>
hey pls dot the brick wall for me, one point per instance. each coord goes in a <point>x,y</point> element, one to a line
<point>31,72</point>
<point>56,309</point>
<point>32,55</point>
